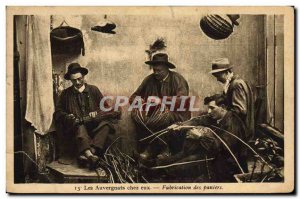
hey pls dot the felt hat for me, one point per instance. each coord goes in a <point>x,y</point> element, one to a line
<point>220,65</point>
<point>75,68</point>
<point>160,58</point>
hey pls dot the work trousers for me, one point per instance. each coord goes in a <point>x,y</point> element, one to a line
<point>88,136</point>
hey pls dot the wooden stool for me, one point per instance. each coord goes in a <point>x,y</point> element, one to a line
<point>62,173</point>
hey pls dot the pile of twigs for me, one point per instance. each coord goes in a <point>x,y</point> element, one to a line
<point>120,167</point>
<point>271,152</point>
<point>158,134</point>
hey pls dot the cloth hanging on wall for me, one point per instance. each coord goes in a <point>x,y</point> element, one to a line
<point>39,91</point>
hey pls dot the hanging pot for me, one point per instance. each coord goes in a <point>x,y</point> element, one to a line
<point>67,40</point>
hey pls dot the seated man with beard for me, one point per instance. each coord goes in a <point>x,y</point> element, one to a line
<point>208,144</point>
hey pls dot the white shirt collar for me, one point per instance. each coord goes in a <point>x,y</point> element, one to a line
<point>219,120</point>
<point>81,89</point>
<point>227,83</point>
<point>165,77</point>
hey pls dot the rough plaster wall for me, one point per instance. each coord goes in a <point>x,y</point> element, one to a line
<point>116,62</point>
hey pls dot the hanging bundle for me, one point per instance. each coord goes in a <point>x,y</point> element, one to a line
<point>67,40</point>
<point>218,26</point>
<point>105,27</point>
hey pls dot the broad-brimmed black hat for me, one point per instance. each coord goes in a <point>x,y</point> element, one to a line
<point>75,68</point>
<point>160,58</point>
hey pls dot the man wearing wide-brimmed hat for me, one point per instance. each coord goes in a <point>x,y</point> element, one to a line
<point>162,82</point>
<point>238,93</point>
<point>78,101</point>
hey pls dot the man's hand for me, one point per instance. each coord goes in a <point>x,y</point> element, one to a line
<point>174,127</point>
<point>93,114</point>
<point>194,133</point>
<point>155,99</point>
<point>71,117</point>
<point>71,120</point>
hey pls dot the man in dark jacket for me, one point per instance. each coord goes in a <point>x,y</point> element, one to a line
<point>161,83</point>
<point>239,95</point>
<point>82,100</point>
<point>211,139</point>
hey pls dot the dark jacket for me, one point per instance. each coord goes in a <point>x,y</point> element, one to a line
<point>174,85</point>
<point>79,104</point>
<point>231,122</point>
<point>224,165</point>
<point>240,100</point>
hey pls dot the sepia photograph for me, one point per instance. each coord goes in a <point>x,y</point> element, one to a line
<point>148,100</point>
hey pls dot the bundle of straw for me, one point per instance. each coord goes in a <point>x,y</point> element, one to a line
<point>120,167</point>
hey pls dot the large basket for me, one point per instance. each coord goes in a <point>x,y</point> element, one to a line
<point>67,40</point>
<point>216,26</point>
<point>154,119</point>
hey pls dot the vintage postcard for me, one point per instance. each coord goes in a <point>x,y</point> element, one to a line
<point>145,100</point>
